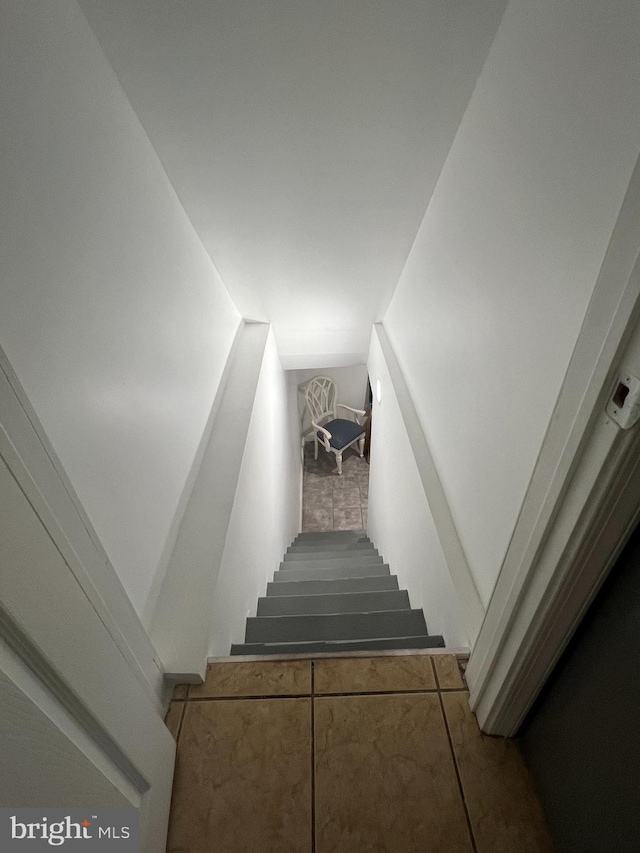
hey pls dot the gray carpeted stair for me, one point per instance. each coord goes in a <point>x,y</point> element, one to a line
<point>335,547</point>
<point>345,602</point>
<point>316,555</point>
<point>333,592</point>
<point>357,560</point>
<point>316,573</point>
<point>327,586</point>
<point>377,645</point>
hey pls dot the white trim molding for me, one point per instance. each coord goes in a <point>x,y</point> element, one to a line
<point>471,609</point>
<point>32,461</point>
<point>580,506</point>
<point>68,633</point>
<point>185,495</point>
<point>181,626</point>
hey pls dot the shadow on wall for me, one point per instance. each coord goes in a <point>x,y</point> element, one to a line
<point>582,739</point>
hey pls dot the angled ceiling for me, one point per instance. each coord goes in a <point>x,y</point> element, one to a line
<point>304,139</point>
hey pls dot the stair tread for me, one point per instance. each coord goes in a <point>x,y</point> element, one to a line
<point>335,626</point>
<point>326,585</point>
<point>337,602</point>
<point>430,641</point>
<point>318,573</point>
<point>333,535</point>
<point>305,556</point>
<point>330,562</point>
<point>321,547</point>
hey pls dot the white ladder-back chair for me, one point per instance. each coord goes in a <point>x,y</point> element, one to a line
<point>334,433</point>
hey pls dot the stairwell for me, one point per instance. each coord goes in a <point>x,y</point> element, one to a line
<point>334,593</point>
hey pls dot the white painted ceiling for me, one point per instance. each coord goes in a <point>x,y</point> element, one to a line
<point>304,139</point>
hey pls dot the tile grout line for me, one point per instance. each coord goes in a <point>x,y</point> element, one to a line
<point>417,691</point>
<point>457,772</point>
<point>460,653</point>
<point>253,697</point>
<point>256,697</point>
<point>313,759</point>
<point>180,721</point>
<point>333,510</point>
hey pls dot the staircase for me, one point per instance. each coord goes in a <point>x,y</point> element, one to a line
<point>334,593</point>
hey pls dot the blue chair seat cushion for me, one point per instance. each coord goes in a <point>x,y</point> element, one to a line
<point>343,432</point>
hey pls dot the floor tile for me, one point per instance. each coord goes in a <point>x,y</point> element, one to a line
<point>173,717</point>
<point>347,480</point>
<point>180,691</point>
<point>316,479</point>
<point>268,678</point>
<point>349,475</point>
<point>373,675</point>
<point>385,779</point>
<point>505,813</point>
<point>324,489</point>
<point>314,501</point>
<point>317,520</point>
<point>448,672</point>
<point>243,778</point>
<point>349,518</point>
<point>348,496</point>
<point>317,488</point>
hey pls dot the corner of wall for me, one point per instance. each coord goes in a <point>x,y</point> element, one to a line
<point>183,501</point>
<point>181,625</point>
<point>266,511</point>
<point>402,463</point>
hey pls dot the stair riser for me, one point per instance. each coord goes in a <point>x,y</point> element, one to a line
<point>319,548</point>
<point>325,587</point>
<point>354,602</point>
<point>344,626</point>
<point>332,536</point>
<point>358,554</point>
<point>408,643</point>
<point>336,562</point>
<point>327,574</point>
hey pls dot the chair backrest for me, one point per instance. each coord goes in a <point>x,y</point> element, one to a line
<point>321,393</point>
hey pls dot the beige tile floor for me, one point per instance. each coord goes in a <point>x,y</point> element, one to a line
<point>343,756</point>
<point>331,501</point>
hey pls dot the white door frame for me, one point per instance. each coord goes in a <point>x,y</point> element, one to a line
<point>33,462</point>
<point>580,507</point>
<point>68,630</point>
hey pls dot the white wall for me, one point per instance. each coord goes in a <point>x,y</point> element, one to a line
<point>266,507</point>
<point>111,311</point>
<point>304,139</point>
<point>491,300</point>
<point>400,521</point>
<point>351,383</point>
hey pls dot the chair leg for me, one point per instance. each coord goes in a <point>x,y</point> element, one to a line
<point>361,446</point>
<point>315,448</point>
<point>339,461</point>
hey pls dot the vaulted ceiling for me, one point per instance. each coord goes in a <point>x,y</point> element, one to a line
<point>304,139</point>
